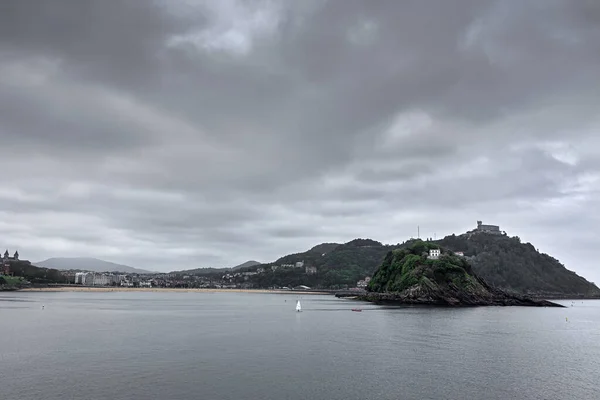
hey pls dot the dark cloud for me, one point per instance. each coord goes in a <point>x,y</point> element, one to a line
<point>215,132</point>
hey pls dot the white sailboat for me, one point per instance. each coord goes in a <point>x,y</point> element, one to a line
<point>298,306</point>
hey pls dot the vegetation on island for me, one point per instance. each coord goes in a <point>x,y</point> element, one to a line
<point>507,263</point>
<point>406,267</point>
<point>412,275</point>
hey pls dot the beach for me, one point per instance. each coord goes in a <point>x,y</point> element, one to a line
<point>179,290</point>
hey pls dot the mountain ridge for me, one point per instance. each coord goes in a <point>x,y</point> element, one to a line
<point>502,261</point>
<point>88,264</point>
<point>247,264</point>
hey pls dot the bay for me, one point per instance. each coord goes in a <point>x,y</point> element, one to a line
<point>154,345</point>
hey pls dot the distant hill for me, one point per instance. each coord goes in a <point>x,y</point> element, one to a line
<point>211,271</point>
<point>507,263</point>
<point>337,265</point>
<point>201,271</point>
<point>88,264</point>
<point>247,264</point>
<point>324,248</point>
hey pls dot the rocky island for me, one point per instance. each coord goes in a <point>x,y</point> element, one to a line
<point>427,274</point>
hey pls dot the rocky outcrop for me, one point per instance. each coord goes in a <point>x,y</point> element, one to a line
<point>417,295</point>
<point>418,276</point>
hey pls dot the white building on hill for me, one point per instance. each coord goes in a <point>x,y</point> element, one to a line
<point>434,254</point>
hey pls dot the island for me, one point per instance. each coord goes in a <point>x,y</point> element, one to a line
<point>427,274</point>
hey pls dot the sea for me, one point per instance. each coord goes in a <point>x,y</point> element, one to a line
<point>190,345</point>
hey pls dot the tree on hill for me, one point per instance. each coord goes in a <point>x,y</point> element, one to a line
<point>324,248</point>
<point>404,268</point>
<point>35,274</point>
<point>338,265</point>
<point>507,263</point>
<point>364,243</point>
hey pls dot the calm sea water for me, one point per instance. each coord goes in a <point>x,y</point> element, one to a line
<point>255,346</point>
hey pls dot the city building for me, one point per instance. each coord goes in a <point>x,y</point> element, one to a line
<point>95,279</point>
<point>79,278</point>
<point>493,229</point>
<point>311,270</point>
<point>102,280</point>
<point>6,260</point>
<point>434,254</point>
<point>363,283</point>
<point>7,256</point>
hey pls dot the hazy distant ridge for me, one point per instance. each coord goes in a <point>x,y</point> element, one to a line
<point>247,264</point>
<point>88,264</point>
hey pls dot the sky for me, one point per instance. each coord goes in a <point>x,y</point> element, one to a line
<point>180,134</point>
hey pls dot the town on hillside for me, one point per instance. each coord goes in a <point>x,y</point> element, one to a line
<point>229,280</point>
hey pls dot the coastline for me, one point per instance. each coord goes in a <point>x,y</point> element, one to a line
<point>170,290</point>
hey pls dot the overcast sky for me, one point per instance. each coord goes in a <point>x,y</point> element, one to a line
<point>186,133</point>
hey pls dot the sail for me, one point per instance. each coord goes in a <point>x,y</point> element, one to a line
<point>298,306</point>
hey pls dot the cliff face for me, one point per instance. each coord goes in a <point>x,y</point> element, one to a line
<point>410,276</point>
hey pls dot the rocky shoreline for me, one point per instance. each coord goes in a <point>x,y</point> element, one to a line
<point>453,300</point>
<point>451,296</point>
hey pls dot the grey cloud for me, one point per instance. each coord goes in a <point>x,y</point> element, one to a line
<point>110,41</point>
<point>319,122</point>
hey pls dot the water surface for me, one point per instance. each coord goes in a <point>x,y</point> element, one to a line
<point>153,345</point>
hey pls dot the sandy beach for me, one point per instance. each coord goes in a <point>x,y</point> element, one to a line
<point>126,289</point>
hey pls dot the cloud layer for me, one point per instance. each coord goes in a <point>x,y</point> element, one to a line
<point>180,134</point>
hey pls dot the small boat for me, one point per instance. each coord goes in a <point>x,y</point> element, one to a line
<point>298,306</point>
<point>356,309</point>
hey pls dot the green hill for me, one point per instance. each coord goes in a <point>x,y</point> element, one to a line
<point>324,248</point>
<point>412,275</point>
<point>507,263</point>
<point>35,274</point>
<point>337,264</point>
